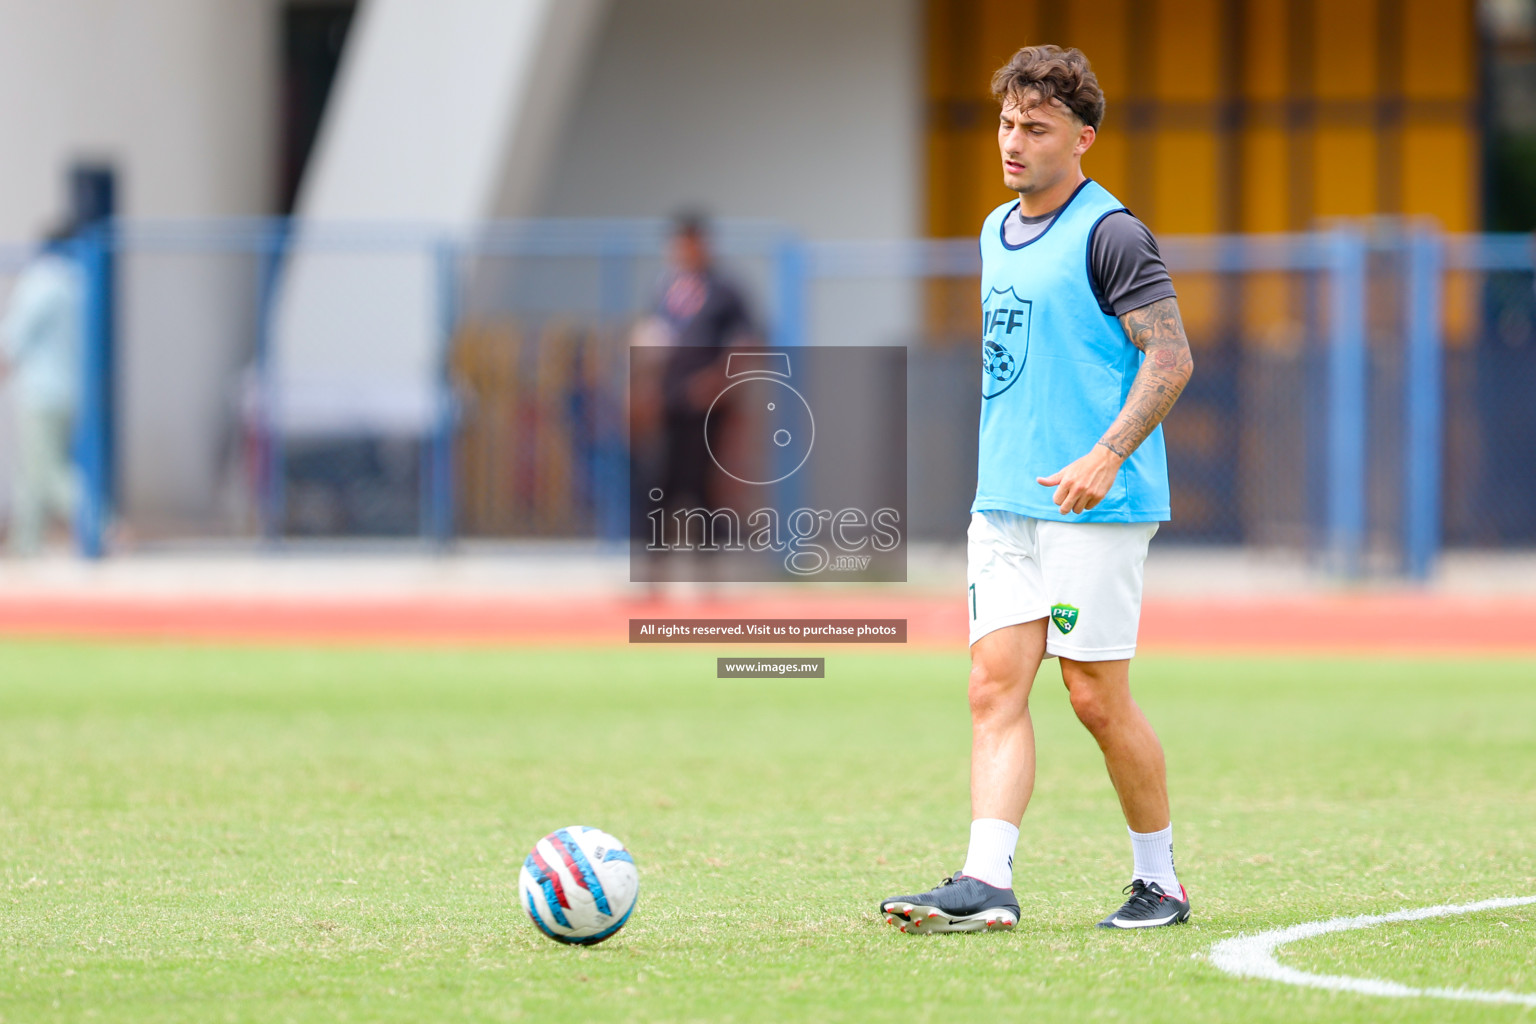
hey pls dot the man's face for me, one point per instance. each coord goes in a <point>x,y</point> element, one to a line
<point>690,253</point>
<point>1040,143</point>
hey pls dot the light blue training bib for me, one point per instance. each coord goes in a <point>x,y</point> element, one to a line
<point>1055,371</point>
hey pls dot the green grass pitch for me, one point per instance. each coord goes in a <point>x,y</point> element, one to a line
<point>219,833</point>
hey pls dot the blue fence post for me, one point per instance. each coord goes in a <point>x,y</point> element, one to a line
<point>1347,404</point>
<point>438,511</point>
<point>93,441</point>
<point>1422,405</point>
<point>789,293</point>
<point>790,283</point>
<point>273,497</point>
<point>608,469</point>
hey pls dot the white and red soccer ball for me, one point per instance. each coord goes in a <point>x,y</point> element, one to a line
<point>579,885</point>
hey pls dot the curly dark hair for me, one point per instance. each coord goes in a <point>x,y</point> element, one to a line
<point>1052,73</point>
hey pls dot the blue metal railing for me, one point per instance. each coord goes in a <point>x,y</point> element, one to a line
<point>1341,261</point>
<point>1347,396</point>
<point>93,431</point>
<point>1423,405</point>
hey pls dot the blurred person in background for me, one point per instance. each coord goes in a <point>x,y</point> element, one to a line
<point>702,314</point>
<point>699,315</point>
<point>40,345</point>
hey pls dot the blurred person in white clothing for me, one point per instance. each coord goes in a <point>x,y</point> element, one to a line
<point>40,357</point>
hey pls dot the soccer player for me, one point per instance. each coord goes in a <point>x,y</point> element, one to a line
<point>1083,354</point>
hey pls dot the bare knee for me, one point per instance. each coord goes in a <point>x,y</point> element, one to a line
<point>995,690</point>
<point>1099,693</point>
<point>1091,707</point>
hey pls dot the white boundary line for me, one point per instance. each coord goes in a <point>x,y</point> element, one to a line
<point>1253,956</point>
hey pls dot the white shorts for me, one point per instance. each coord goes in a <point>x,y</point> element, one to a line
<point>1085,576</point>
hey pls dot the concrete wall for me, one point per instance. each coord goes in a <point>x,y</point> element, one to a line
<point>800,111</point>
<point>797,111</point>
<point>436,109</point>
<point>180,96</point>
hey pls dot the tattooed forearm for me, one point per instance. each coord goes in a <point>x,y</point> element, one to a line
<point>1158,331</point>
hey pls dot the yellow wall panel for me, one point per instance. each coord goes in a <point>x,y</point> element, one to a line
<point>1268,310</point>
<point>1463,294</point>
<point>985,169</point>
<point>1100,29</point>
<point>1199,307</point>
<point>1107,162</point>
<point>1440,170</point>
<point>1344,49</point>
<point>1185,62</point>
<point>1174,169</point>
<point>1264,67</point>
<point>1439,50</point>
<point>968,187</point>
<point>943,185</point>
<point>1005,25</point>
<point>1265,185</point>
<point>1184,181</point>
<point>947,62</point>
<point>1344,172</point>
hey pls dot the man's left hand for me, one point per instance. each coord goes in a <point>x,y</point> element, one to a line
<point>1084,483</point>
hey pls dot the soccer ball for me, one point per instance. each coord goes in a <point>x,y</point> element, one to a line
<point>579,885</point>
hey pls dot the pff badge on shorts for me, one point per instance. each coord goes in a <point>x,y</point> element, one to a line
<point>1065,617</point>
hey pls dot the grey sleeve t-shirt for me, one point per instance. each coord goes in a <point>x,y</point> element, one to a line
<point>1125,268</point>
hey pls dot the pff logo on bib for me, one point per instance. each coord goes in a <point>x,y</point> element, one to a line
<point>1065,617</point>
<point>1005,340</point>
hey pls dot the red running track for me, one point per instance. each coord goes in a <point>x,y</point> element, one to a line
<point>1409,623</point>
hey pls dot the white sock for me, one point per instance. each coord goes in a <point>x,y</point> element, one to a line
<point>1153,853</point>
<point>990,857</point>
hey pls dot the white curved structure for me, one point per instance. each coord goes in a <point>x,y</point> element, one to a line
<point>444,113</point>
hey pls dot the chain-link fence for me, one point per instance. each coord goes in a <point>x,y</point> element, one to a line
<point>545,315</point>
<point>186,437</point>
<point>1489,489</point>
<point>1360,394</point>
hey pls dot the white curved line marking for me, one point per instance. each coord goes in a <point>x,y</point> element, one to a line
<point>1253,956</point>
